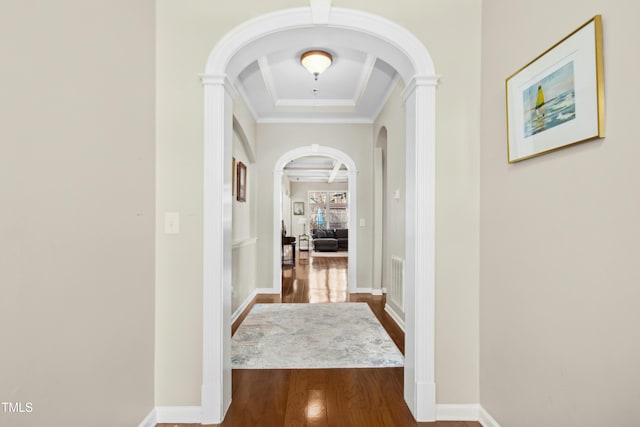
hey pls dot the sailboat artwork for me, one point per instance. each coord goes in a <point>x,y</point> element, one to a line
<point>540,101</point>
<point>550,102</point>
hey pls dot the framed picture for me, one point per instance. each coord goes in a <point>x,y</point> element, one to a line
<point>233,176</point>
<point>298,208</point>
<point>242,182</point>
<point>557,100</point>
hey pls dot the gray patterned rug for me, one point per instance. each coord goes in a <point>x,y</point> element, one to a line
<point>298,336</point>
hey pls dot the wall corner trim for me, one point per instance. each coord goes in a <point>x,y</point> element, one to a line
<point>178,414</point>
<point>150,420</point>
<point>236,314</point>
<point>465,412</point>
<point>486,419</point>
<point>397,317</point>
<point>457,412</point>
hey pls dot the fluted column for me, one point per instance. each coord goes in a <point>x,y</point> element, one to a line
<point>217,216</point>
<point>420,179</point>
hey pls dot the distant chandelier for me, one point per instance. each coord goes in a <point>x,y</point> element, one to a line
<point>316,61</point>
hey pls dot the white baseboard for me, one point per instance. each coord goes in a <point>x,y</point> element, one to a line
<point>376,292</point>
<point>268,291</point>
<point>193,414</point>
<point>486,419</point>
<point>395,316</point>
<point>150,420</point>
<point>452,412</point>
<point>179,414</point>
<point>243,306</point>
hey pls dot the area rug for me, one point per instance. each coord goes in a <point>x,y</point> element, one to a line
<point>301,336</point>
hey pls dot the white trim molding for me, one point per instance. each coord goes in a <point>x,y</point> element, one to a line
<point>457,412</point>
<point>486,419</point>
<point>236,314</point>
<point>246,242</point>
<point>193,414</point>
<point>150,420</point>
<point>178,414</point>
<point>216,278</point>
<point>395,316</point>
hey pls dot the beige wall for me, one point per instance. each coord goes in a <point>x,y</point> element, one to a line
<point>244,213</point>
<point>77,217</point>
<point>186,33</point>
<point>391,118</point>
<point>559,236</point>
<point>243,277</point>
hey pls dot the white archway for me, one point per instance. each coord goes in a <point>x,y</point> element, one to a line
<point>315,150</point>
<point>399,48</point>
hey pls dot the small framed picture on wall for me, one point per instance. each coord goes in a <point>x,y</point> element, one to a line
<point>242,182</point>
<point>298,208</point>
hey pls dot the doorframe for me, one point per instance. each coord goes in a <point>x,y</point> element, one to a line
<point>278,172</point>
<point>379,201</point>
<point>404,52</point>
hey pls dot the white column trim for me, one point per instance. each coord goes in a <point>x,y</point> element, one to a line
<point>419,308</point>
<point>216,293</point>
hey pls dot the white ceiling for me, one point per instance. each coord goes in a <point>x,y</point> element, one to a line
<point>316,169</point>
<point>277,89</point>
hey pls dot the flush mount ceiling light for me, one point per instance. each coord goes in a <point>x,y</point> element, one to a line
<point>316,61</point>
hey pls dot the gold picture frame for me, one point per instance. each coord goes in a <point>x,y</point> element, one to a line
<point>557,100</point>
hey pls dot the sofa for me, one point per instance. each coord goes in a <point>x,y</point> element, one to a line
<point>330,240</point>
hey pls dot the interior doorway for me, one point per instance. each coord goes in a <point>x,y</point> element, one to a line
<point>408,56</point>
<point>352,193</point>
<point>315,224</point>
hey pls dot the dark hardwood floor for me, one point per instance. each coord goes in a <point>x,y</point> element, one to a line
<point>322,397</point>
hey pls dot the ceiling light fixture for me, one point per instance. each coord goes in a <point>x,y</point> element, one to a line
<point>316,61</point>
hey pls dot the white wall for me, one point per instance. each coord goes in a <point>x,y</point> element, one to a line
<point>77,218</point>
<point>186,33</point>
<point>559,278</point>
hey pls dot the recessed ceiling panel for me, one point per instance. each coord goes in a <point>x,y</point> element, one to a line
<point>277,88</point>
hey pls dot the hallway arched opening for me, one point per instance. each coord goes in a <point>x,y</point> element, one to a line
<point>403,51</point>
<point>277,207</point>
